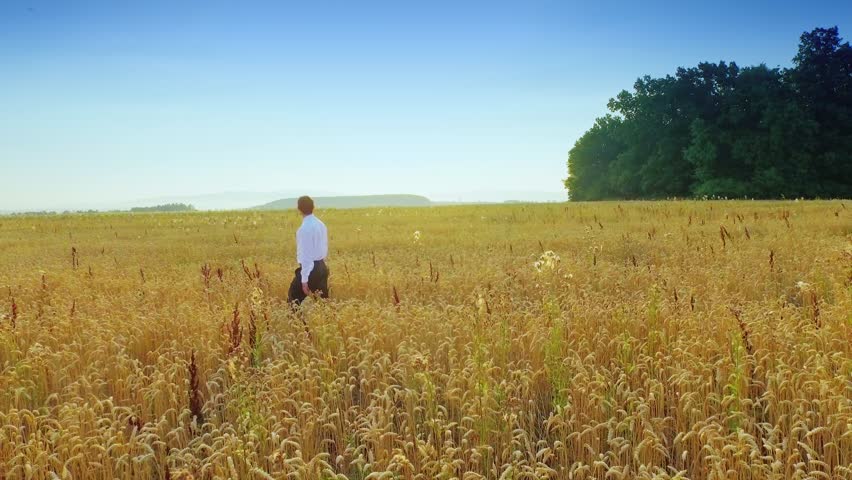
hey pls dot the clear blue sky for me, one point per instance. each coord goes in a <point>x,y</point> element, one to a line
<point>102,102</point>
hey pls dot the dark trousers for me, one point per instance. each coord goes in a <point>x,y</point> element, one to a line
<point>317,282</point>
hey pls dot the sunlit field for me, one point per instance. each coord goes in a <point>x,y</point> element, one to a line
<point>566,341</point>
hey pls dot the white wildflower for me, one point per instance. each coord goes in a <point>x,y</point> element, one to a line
<point>480,305</point>
<point>548,260</point>
<point>416,236</point>
<point>257,298</point>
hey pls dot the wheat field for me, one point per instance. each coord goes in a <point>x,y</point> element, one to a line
<point>701,340</point>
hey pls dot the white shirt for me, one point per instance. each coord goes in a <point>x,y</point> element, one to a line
<point>311,244</point>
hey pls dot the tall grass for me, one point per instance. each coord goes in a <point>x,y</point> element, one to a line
<point>702,340</point>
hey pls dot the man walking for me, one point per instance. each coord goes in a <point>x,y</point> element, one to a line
<point>311,250</point>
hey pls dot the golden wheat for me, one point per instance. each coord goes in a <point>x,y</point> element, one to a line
<point>702,340</point>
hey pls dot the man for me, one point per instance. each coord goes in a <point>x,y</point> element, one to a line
<point>311,250</point>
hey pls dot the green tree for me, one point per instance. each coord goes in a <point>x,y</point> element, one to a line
<point>822,82</point>
<point>655,127</point>
<point>591,158</point>
<point>720,130</point>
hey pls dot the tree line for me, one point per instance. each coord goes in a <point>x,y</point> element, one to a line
<point>168,207</point>
<point>720,130</point>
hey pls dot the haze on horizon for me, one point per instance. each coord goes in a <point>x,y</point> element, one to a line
<point>107,103</point>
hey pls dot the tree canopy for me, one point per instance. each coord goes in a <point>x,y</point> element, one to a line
<point>721,130</point>
<point>168,207</point>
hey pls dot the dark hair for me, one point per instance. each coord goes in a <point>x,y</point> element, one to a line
<point>306,205</point>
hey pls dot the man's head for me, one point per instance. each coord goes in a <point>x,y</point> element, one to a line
<point>305,205</point>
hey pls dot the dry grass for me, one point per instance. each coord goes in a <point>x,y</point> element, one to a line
<point>662,340</point>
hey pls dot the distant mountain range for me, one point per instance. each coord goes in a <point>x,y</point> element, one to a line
<point>353,201</point>
<point>285,200</point>
<point>234,200</point>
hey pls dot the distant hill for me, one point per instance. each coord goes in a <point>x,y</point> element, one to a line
<point>229,200</point>
<point>359,201</point>
<point>169,207</point>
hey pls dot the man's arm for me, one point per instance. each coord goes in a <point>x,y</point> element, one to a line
<point>305,261</point>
